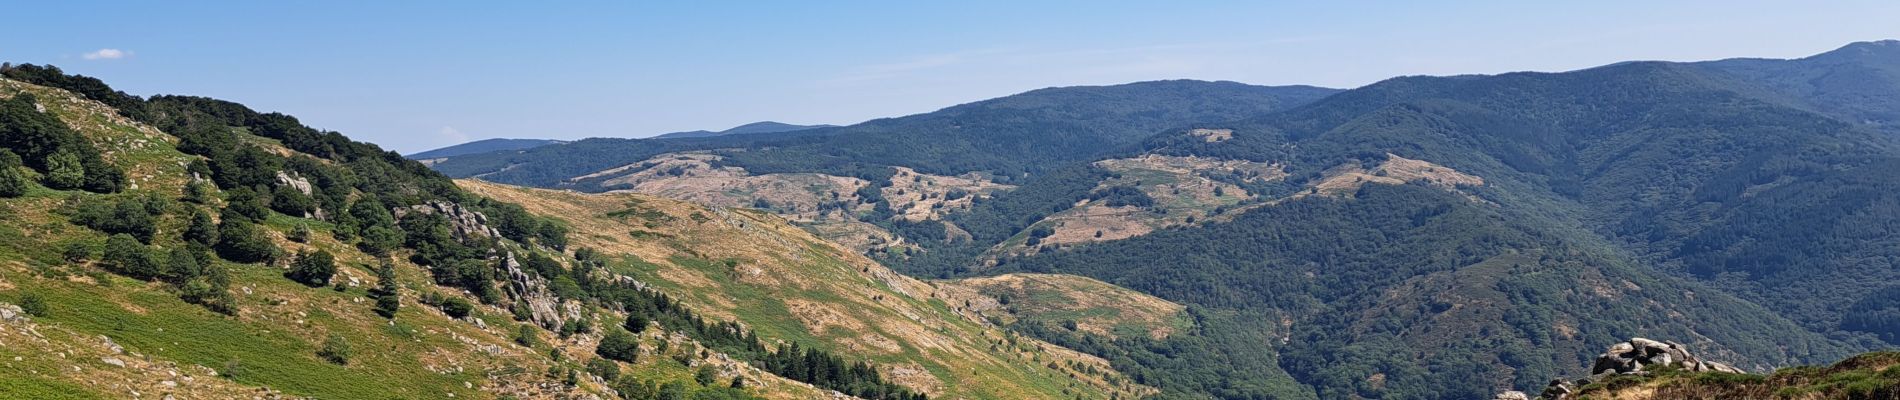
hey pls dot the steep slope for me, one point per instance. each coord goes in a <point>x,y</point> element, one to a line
<point>107,336</point>
<point>481,146</point>
<point>780,281</point>
<point>317,282</point>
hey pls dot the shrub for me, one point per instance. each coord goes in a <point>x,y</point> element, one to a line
<point>313,269</point>
<point>33,305</point>
<point>606,370</point>
<point>528,336</point>
<point>619,345</point>
<point>705,376</point>
<point>336,350</point>
<point>201,229</point>
<point>76,252</point>
<point>124,255</point>
<point>242,242</point>
<point>12,181</point>
<point>456,307</point>
<point>299,234</point>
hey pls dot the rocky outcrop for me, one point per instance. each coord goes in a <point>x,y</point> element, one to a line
<point>469,225</point>
<point>12,313</point>
<point>1638,356</point>
<point>294,182</point>
<point>544,308</point>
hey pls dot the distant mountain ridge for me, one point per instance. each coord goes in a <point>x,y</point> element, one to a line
<point>483,146</point>
<point>755,127</point>
<point>1007,137</point>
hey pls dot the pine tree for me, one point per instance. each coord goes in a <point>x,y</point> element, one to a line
<point>388,293</point>
<point>12,180</point>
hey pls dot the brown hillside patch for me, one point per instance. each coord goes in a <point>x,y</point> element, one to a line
<point>1096,307</point>
<point>1213,135</point>
<point>1097,223</point>
<point>1346,179</point>
<point>918,196</point>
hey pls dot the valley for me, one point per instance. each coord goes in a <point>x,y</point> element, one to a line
<point>1421,237</point>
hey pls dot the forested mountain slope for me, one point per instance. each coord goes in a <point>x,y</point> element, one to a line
<point>1005,137</point>
<point>191,247</point>
<point>1664,191</point>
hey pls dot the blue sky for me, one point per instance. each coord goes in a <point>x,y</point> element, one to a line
<point>413,75</point>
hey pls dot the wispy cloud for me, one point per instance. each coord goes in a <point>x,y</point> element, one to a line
<point>452,135</point>
<point>106,54</point>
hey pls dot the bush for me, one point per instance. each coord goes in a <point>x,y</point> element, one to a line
<point>33,305</point>
<point>128,216</point>
<point>705,376</point>
<point>126,256</point>
<point>299,234</point>
<point>201,230</point>
<point>76,252</point>
<point>211,290</point>
<point>528,336</point>
<point>606,370</point>
<point>619,345</point>
<point>12,181</point>
<point>313,269</point>
<point>242,242</point>
<point>232,369</point>
<point>336,350</point>
<point>456,307</point>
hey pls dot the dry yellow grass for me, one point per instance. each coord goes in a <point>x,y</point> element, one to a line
<point>758,269</point>
<point>1095,306</point>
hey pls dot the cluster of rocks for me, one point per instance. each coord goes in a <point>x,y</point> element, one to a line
<point>1638,356</point>
<point>543,305</point>
<point>12,313</point>
<point>468,224</point>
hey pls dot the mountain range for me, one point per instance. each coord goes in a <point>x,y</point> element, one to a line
<point>1417,238</point>
<point>1527,216</point>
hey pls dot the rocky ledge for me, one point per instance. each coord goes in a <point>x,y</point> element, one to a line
<point>1637,356</point>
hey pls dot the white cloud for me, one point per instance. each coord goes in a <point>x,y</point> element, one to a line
<point>451,134</point>
<point>106,54</point>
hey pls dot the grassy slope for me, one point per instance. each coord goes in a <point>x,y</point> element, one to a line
<point>784,283</point>
<point>174,347</point>
<point>1096,307</point>
<point>1868,376</point>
